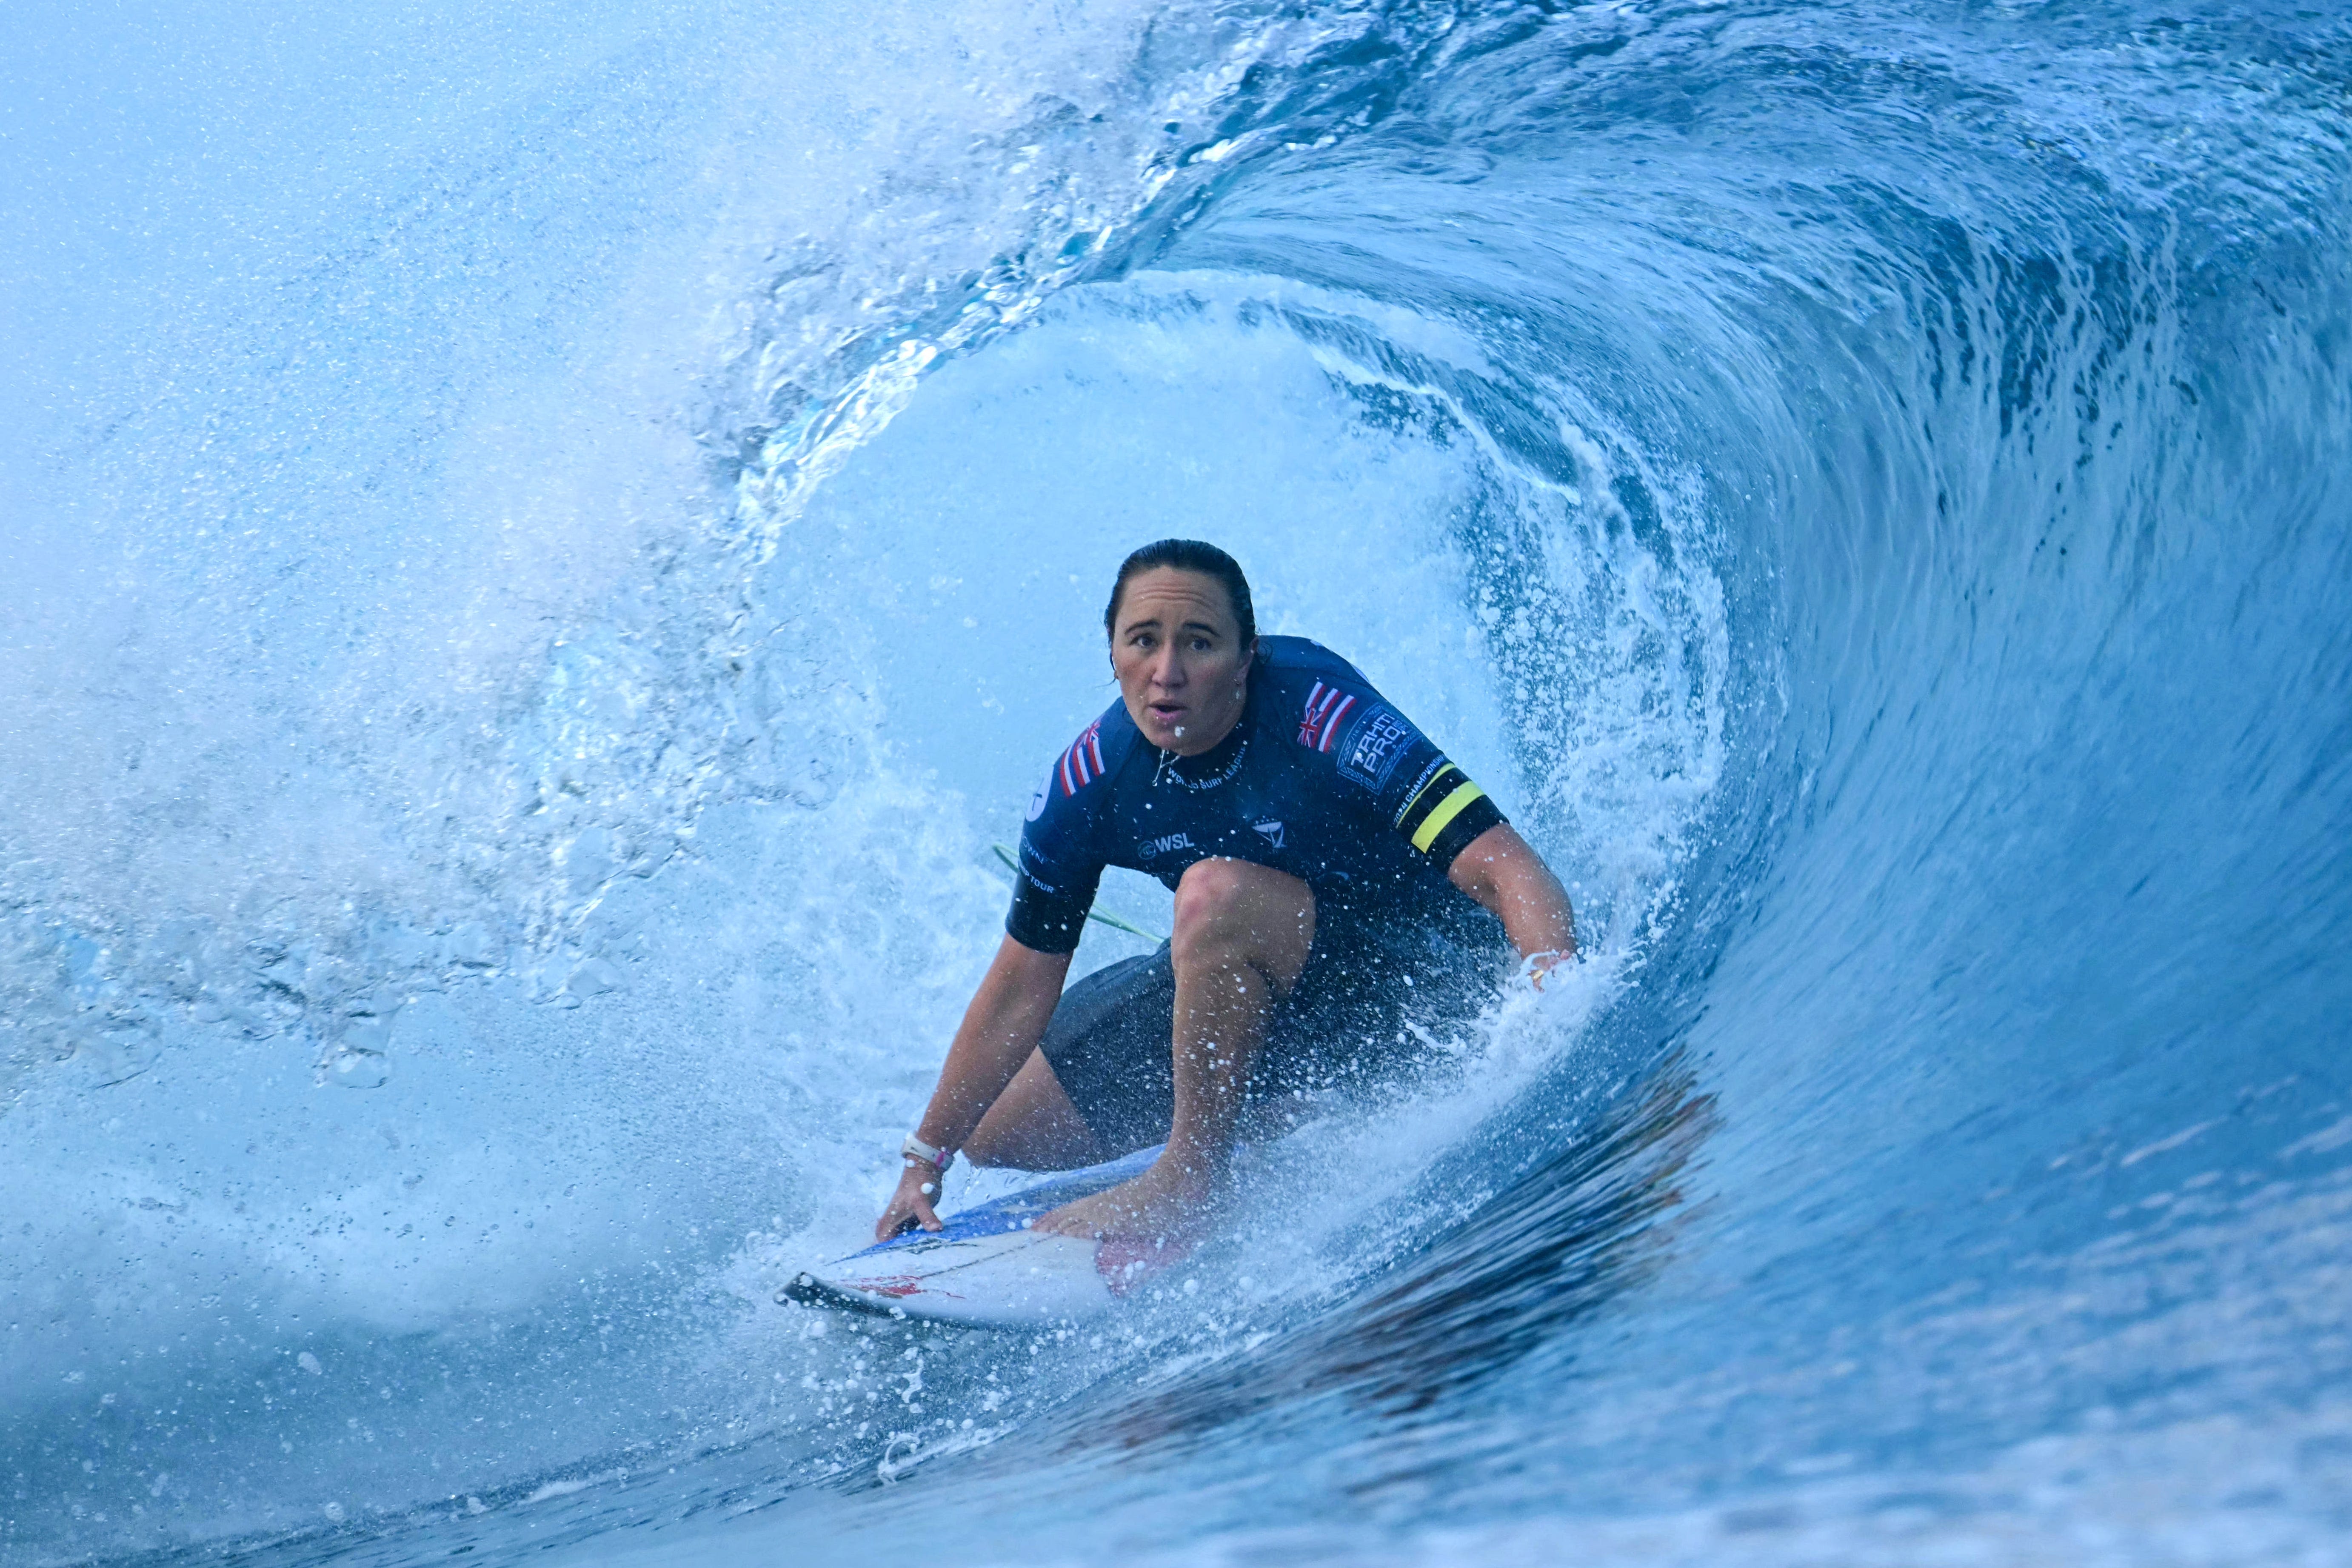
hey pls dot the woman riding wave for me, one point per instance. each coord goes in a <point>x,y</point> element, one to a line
<point>1336,877</point>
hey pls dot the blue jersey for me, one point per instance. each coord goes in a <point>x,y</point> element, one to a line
<point>1321,778</point>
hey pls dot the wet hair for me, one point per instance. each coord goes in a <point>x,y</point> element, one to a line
<point>1186,555</point>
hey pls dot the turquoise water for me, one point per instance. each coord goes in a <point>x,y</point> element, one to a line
<point>542,552</point>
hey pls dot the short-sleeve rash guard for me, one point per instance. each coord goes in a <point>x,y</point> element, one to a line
<point>1322,778</point>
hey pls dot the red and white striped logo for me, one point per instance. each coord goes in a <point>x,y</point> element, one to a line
<point>1326,706</point>
<point>1082,763</point>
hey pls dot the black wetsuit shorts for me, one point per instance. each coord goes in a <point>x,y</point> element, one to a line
<point>1371,1007</point>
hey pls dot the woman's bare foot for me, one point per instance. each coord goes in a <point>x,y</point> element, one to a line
<point>1164,1202</point>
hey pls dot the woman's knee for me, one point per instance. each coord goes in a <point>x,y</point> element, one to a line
<point>1210,890</point>
<point>1224,904</point>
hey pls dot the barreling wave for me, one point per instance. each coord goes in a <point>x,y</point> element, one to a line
<point>1866,486</point>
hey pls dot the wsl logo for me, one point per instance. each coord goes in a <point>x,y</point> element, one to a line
<point>1273,831</point>
<point>1152,848</point>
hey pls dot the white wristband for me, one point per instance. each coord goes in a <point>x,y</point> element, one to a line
<point>915,1149</point>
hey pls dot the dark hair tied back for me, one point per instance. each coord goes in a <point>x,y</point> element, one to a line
<point>1187,555</point>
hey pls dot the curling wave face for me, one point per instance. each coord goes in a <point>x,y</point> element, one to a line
<point>513,683</point>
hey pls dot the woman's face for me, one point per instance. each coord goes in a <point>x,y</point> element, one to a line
<point>1178,657</point>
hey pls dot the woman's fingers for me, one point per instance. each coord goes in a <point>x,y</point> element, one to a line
<point>897,1220</point>
<point>910,1206</point>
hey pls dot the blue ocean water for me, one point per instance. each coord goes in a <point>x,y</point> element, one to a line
<point>543,547</point>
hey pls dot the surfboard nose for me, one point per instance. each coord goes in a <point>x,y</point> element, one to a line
<point>1018,1279</point>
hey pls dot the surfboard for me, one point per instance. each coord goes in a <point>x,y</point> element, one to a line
<point>987,1268</point>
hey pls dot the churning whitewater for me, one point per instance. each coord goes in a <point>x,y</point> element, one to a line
<point>544,550</point>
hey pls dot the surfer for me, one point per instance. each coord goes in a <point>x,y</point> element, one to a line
<point>1339,884</point>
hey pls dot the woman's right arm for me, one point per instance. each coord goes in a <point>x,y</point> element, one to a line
<point>1006,1019</point>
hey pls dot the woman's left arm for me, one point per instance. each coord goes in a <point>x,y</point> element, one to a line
<point>1500,870</point>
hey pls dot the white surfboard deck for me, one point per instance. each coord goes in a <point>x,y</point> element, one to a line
<point>986,1269</point>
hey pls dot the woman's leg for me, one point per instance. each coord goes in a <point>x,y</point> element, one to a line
<point>1242,934</point>
<point>1033,1126</point>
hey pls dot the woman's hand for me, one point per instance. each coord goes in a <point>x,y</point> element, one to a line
<point>1502,873</point>
<point>1000,1031</point>
<point>914,1203</point>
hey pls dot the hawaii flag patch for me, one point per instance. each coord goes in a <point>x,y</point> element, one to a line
<point>1082,763</point>
<point>1326,706</point>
